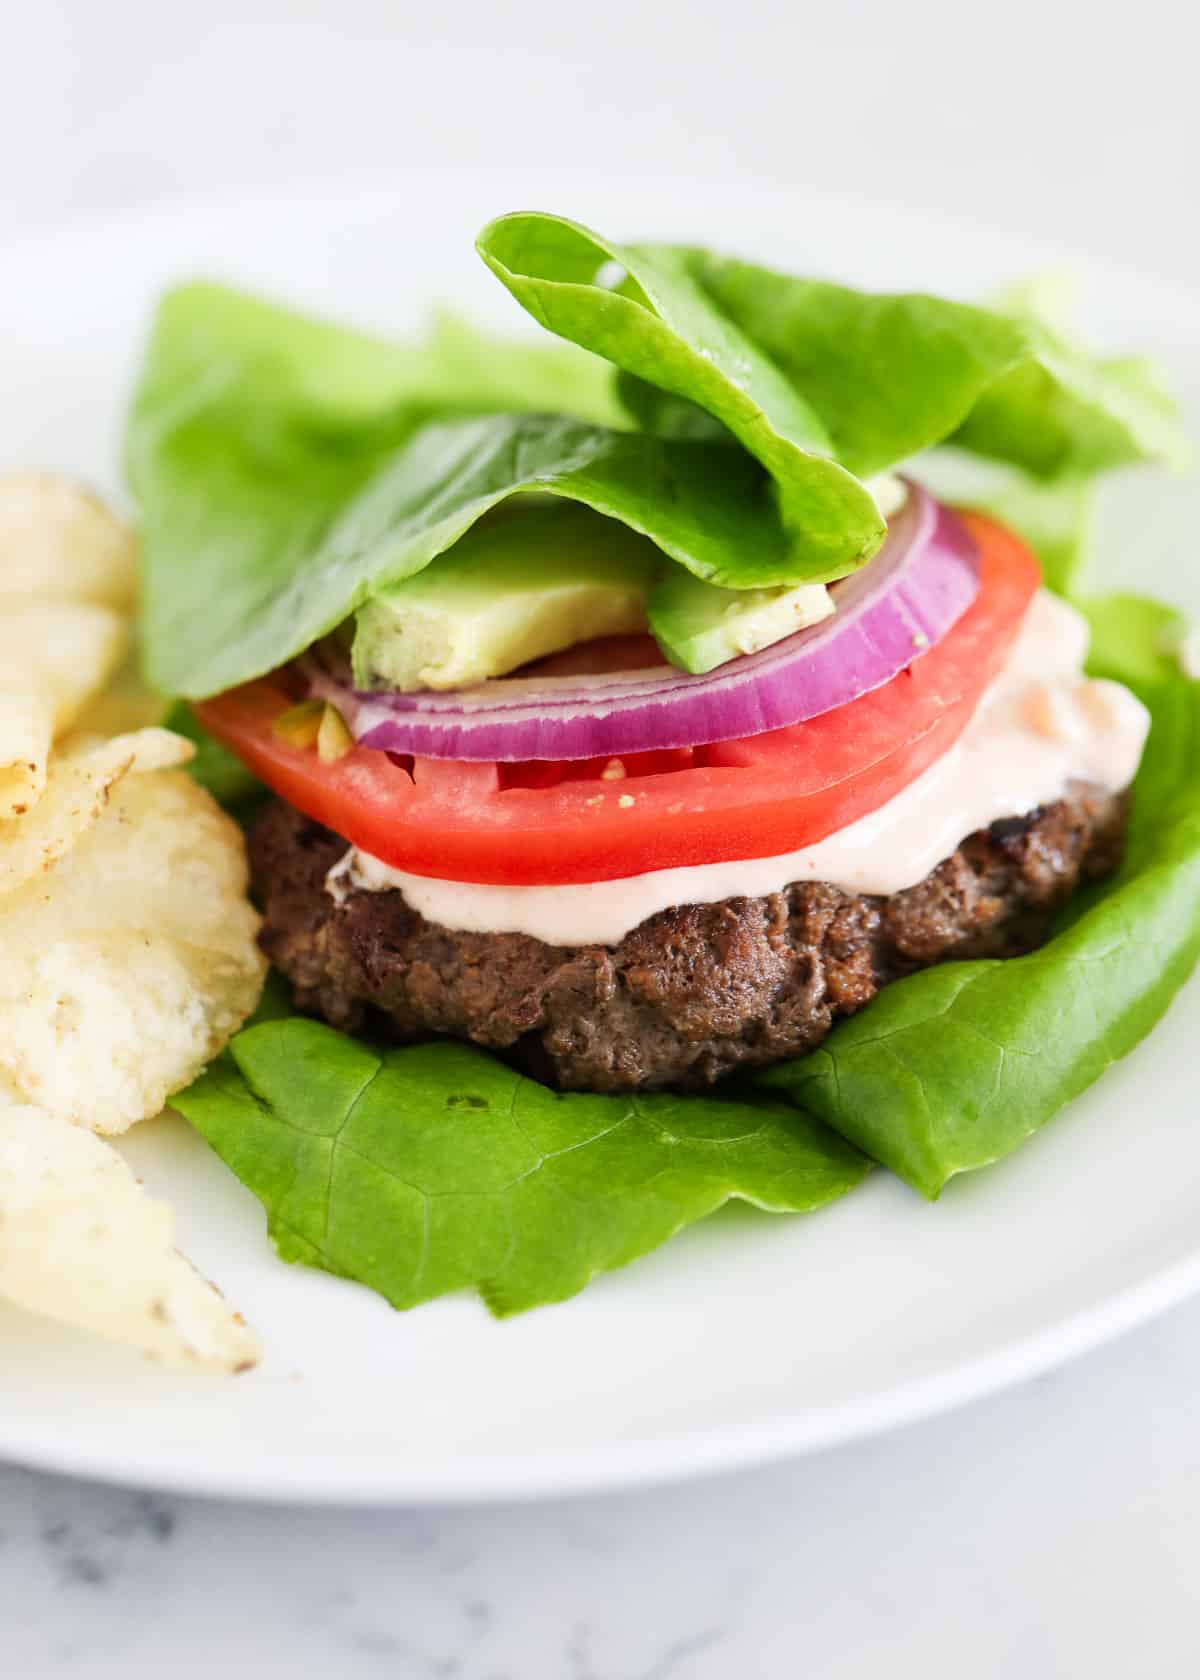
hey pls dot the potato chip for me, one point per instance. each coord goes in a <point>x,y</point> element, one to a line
<point>127,946</point>
<point>128,962</point>
<point>78,784</point>
<point>82,1242</point>
<point>55,656</point>
<point>59,541</point>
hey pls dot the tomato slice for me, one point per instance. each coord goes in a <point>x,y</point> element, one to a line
<point>525,825</point>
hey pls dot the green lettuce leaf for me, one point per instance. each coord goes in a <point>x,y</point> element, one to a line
<point>436,1168</point>
<point>286,471</point>
<point>645,309</point>
<point>315,375</point>
<point>249,558</point>
<point>954,1067</point>
<point>797,368</point>
<point>1136,640</point>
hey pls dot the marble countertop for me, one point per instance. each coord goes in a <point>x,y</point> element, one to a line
<point>1050,1531</point>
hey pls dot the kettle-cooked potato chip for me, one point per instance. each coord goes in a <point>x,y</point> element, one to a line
<point>82,1242</point>
<point>55,656</point>
<point>128,954</point>
<point>78,784</point>
<point>128,963</point>
<point>68,583</point>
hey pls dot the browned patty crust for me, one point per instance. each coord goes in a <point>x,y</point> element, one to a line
<point>690,994</point>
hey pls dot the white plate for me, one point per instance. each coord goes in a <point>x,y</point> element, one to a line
<point>747,1337</point>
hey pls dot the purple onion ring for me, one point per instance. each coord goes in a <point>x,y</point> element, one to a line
<point>887,614</point>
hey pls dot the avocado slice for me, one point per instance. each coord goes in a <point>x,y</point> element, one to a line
<point>699,625</point>
<point>535,577</point>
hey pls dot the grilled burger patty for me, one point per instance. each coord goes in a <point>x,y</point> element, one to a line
<point>690,994</point>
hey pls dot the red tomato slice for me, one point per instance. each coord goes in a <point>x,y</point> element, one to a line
<point>523,825</point>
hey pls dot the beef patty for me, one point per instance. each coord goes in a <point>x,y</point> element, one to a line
<point>693,992</point>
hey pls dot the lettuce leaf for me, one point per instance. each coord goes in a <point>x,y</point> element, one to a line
<point>323,376</point>
<point>645,309</point>
<point>250,558</point>
<point>892,374</point>
<point>287,470</point>
<point>436,1168</point>
<point>954,1067</point>
<point>796,367</point>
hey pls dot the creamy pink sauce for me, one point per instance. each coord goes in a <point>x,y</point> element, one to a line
<point>1040,725</point>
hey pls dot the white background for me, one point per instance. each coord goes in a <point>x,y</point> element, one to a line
<point>1053,1531</point>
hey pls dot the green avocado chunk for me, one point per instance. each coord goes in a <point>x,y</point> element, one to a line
<point>699,625</point>
<point>531,579</point>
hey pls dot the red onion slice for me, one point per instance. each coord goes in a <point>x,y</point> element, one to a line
<point>890,612</point>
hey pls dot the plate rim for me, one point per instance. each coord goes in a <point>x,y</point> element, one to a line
<point>647,1462</point>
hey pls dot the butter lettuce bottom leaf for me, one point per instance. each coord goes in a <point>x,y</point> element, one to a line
<point>954,1067</point>
<point>435,1168</point>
